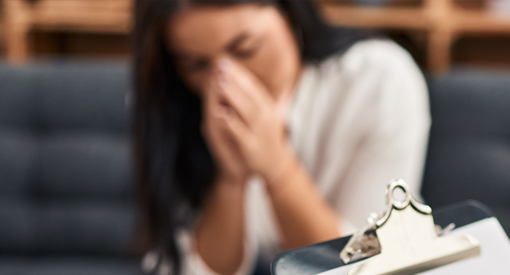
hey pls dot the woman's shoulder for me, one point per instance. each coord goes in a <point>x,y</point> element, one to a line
<point>370,73</point>
<point>373,74</point>
<point>371,55</point>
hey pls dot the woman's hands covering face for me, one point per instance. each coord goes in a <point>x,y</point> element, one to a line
<point>243,125</point>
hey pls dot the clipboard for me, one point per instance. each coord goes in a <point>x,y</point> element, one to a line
<point>326,258</point>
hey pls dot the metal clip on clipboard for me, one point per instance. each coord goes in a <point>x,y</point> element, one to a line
<point>408,240</point>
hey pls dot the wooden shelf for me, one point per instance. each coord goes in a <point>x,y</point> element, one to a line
<point>111,16</point>
<point>384,17</point>
<point>481,22</point>
<point>93,16</point>
<point>438,22</point>
<point>441,20</point>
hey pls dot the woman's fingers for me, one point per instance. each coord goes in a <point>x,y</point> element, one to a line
<point>210,98</point>
<point>233,94</point>
<point>212,118</point>
<point>243,91</point>
<point>218,136</point>
<point>250,86</point>
<point>238,130</point>
<point>209,126</point>
<point>245,127</point>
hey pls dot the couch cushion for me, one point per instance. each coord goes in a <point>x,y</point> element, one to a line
<point>65,226</point>
<point>469,149</point>
<point>87,165</point>
<point>67,266</point>
<point>65,96</point>
<point>66,172</point>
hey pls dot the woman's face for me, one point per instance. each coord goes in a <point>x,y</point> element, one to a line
<point>254,36</point>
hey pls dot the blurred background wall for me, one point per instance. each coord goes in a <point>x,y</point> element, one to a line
<point>438,33</point>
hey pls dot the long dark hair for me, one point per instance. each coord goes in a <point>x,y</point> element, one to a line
<point>174,166</point>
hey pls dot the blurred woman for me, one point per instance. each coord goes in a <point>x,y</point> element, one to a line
<point>261,128</point>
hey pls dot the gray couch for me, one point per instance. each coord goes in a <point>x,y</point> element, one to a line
<point>469,148</point>
<point>66,185</point>
<point>66,195</point>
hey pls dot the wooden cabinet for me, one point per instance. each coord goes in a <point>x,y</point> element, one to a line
<point>20,17</point>
<point>442,21</point>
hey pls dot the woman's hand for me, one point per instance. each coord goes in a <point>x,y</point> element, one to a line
<point>252,120</point>
<point>230,165</point>
<point>244,113</point>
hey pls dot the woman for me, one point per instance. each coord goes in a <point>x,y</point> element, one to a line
<point>260,128</point>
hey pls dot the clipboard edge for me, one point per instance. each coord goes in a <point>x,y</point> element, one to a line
<point>476,209</point>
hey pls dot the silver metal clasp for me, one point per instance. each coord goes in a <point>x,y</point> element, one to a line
<point>405,239</point>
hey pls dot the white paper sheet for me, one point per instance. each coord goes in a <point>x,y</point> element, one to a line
<point>493,260</point>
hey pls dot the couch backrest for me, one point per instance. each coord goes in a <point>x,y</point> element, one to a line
<point>469,149</point>
<point>65,158</point>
